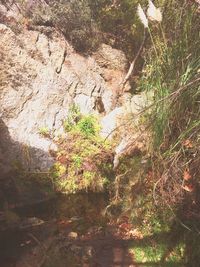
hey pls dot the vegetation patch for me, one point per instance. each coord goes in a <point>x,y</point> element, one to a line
<point>150,252</point>
<point>44,131</point>
<point>172,73</point>
<point>84,159</point>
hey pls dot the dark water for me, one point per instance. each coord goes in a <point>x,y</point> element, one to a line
<point>66,205</point>
<point>82,211</point>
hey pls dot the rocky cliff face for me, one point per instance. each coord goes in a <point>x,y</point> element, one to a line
<point>40,77</point>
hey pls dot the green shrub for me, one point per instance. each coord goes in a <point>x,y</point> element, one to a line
<point>88,126</point>
<point>83,156</point>
<point>73,18</point>
<point>72,118</point>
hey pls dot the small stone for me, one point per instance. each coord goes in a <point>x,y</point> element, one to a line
<point>73,235</point>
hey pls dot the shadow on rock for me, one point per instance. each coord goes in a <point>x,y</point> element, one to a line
<point>19,184</point>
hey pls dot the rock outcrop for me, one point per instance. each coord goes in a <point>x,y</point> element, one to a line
<point>40,77</point>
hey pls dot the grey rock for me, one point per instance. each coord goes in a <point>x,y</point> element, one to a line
<point>111,58</point>
<point>110,122</point>
<point>73,235</point>
<point>41,76</point>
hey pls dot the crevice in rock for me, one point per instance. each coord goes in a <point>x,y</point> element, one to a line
<point>92,91</point>
<point>24,103</point>
<point>73,93</point>
<point>55,117</point>
<point>37,38</point>
<point>59,69</point>
<point>49,48</point>
<point>99,105</point>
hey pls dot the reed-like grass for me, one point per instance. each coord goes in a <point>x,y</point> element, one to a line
<point>172,72</point>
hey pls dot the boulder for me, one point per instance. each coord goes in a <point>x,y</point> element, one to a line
<point>110,122</point>
<point>111,58</point>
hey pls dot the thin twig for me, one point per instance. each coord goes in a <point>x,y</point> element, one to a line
<point>43,248</point>
<point>132,65</point>
<point>37,241</point>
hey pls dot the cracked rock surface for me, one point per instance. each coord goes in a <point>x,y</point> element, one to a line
<point>41,76</point>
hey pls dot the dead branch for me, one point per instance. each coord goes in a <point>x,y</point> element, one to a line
<point>132,65</point>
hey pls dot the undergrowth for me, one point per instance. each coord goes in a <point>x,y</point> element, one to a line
<point>172,73</point>
<point>174,77</point>
<point>162,196</point>
<point>84,159</point>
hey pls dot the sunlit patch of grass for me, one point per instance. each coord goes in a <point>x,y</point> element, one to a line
<point>150,252</point>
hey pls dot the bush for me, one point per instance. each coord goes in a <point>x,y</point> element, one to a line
<point>118,23</point>
<point>88,126</point>
<point>74,18</point>
<point>84,160</point>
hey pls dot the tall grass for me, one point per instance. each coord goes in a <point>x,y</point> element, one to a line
<point>171,68</point>
<point>172,71</point>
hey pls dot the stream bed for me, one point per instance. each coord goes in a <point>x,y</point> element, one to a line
<point>75,231</point>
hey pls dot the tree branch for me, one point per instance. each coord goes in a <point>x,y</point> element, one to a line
<point>132,65</point>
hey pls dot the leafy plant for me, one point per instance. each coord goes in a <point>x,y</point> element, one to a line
<point>72,118</point>
<point>84,155</point>
<point>58,170</point>
<point>88,126</point>
<point>77,161</point>
<point>44,131</point>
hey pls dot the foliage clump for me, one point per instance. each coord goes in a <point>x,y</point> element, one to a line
<point>171,71</point>
<point>84,159</point>
<point>73,18</point>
